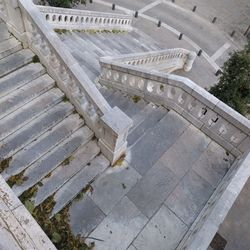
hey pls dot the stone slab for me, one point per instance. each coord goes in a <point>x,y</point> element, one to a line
<point>156,142</point>
<point>112,185</point>
<point>150,120</point>
<point>152,190</point>
<point>163,232</point>
<point>119,228</point>
<point>185,151</point>
<point>189,197</point>
<point>213,164</point>
<point>85,215</point>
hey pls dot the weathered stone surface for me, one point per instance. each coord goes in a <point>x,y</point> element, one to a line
<point>29,112</point>
<point>112,185</point>
<point>15,61</point>
<point>163,231</point>
<point>213,164</point>
<point>148,123</point>
<point>119,228</point>
<point>4,32</point>
<point>20,77</point>
<point>9,46</point>
<point>49,162</point>
<point>81,180</point>
<point>189,197</point>
<point>25,135</point>
<point>185,151</point>
<point>152,190</point>
<point>77,161</point>
<point>32,152</point>
<point>155,143</point>
<point>18,229</point>
<point>25,94</point>
<point>85,215</point>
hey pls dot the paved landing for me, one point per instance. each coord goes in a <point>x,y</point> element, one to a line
<point>150,202</point>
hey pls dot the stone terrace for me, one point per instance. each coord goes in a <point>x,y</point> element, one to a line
<point>151,198</point>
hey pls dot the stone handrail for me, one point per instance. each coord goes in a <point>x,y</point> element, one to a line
<point>82,93</point>
<point>221,123</point>
<point>61,18</point>
<point>169,59</point>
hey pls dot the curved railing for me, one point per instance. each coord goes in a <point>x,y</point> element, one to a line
<point>221,123</point>
<point>164,60</point>
<point>60,64</point>
<point>61,18</point>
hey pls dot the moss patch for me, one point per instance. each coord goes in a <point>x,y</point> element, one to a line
<point>136,98</point>
<point>35,59</point>
<point>120,161</point>
<point>17,179</point>
<point>67,160</point>
<point>5,164</point>
<point>60,31</point>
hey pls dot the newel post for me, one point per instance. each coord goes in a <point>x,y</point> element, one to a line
<point>14,19</point>
<point>189,61</point>
<point>113,141</point>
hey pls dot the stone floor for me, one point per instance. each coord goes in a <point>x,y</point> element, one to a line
<point>150,202</point>
<point>236,225</point>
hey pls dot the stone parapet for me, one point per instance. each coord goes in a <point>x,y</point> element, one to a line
<point>61,18</point>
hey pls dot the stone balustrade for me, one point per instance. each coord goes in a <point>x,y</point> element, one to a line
<point>221,123</point>
<point>61,18</point>
<point>82,93</point>
<point>169,60</point>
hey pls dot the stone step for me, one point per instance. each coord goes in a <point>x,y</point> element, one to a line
<point>33,130</point>
<point>20,77</point>
<point>4,32</point>
<point>10,46</point>
<point>148,123</point>
<point>156,142</point>
<point>25,94</point>
<point>65,172</point>
<point>80,181</point>
<point>15,61</point>
<point>28,112</point>
<point>45,143</point>
<point>97,51</point>
<point>61,154</point>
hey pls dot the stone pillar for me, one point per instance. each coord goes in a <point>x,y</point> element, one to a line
<point>189,61</point>
<point>14,20</point>
<point>113,140</point>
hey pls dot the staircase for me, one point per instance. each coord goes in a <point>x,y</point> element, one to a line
<point>168,174</point>
<point>44,143</point>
